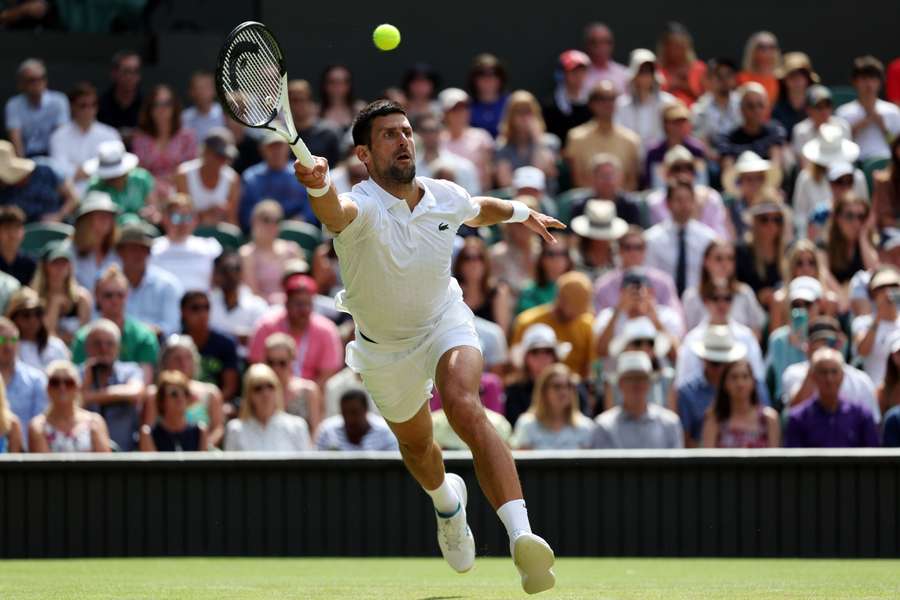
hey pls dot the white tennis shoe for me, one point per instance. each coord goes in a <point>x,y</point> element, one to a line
<point>454,536</point>
<point>534,559</point>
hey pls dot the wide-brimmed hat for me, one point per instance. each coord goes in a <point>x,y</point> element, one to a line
<point>58,249</point>
<point>96,201</point>
<point>633,362</point>
<point>112,161</point>
<point>135,233</point>
<point>718,345</point>
<point>12,168</point>
<point>599,221</point>
<point>767,207</point>
<point>536,337</point>
<point>750,162</point>
<point>840,168</point>
<point>830,146</point>
<point>23,299</point>
<point>797,61</point>
<point>884,277</point>
<point>641,328</point>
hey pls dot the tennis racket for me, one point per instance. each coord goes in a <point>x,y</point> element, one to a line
<point>252,84</point>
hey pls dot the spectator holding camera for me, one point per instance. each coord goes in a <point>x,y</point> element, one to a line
<point>872,333</point>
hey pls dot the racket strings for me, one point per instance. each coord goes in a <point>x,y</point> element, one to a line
<point>253,85</point>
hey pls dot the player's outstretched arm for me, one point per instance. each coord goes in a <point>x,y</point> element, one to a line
<point>494,210</point>
<point>334,212</point>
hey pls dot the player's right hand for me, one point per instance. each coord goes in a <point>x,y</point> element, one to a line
<point>316,177</point>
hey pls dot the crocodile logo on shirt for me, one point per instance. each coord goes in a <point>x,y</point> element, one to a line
<point>443,227</point>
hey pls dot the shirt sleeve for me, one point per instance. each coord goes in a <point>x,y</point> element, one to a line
<point>465,207</point>
<point>793,433</point>
<point>258,343</point>
<point>232,432</point>
<point>366,219</point>
<point>332,356</point>
<point>12,116</point>
<point>147,350</point>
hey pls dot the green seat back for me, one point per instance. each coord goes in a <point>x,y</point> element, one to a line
<point>308,236</point>
<point>229,235</point>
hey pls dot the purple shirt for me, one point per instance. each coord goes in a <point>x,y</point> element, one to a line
<point>607,288</point>
<point>656,154</point>
<point>811,426</point>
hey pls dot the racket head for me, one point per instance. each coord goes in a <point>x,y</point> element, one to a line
<point>250,75</point>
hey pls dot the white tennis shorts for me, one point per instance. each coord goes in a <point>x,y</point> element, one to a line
<point>400,381</point>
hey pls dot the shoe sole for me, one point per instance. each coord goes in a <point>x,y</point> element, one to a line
<point>459,485</point>
<point>534,559</point>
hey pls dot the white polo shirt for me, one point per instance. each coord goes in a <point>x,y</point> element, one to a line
<point>395,264</point>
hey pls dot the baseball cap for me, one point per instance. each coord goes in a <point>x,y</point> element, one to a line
<point>451,97</point>
<point>805,288</point>
<point>529,177</point>
<point>884,278</point>
<point>301,283</point>
<point>633,362</point>
<point>572,59</point>
<point>220,141</point>
<point>135,233</point>
<point>838,169</point>
<point>818,93</point>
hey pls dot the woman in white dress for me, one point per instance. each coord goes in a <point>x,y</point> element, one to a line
<point>212,184</point>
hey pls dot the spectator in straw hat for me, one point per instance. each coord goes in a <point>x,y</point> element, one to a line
<point>872,333</point>
<point>115,171</point>
<point>717,348</point>
<point>35,188</point>
<point>641,335</point>
<point>749,182</point>
<point>795,77</point>
<point>819,111</point>
<point>680,164</point>
<point>637,422</point>
<point>597,229</point>
<point>640,107</point>
<point>568,108</point>
<point>828,148</point>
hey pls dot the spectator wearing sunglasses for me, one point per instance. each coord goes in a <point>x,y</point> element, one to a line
<point>65,426</point>
<point>888,256</point>
<point>849,241</point>
<point>872,333</point>
<point>538,350</point>
<point>266,255</point>
<point>302,397</point>
<point>180,252</point>
<point>759,253</point>
<point>676,127</point>
<point>805,259</point>
<point>26,387</point>
<point>37,348</point>
<point>137,343</point>
<point>797,384</point>
<point>173,432</point>
<point>218,353</point>
<point>263,425</point>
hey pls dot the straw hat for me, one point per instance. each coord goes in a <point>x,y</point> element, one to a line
<point>641,328</point>
<point>12,168</point>
<point>718,345</point>
<point>599,221</point>
<point>112,161</point>
<point>830,146</point>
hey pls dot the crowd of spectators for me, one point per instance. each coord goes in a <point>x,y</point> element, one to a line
<point>730,276</point>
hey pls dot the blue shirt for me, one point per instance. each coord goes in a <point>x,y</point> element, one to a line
<point>851,425</point>
<point>892,428</point>
<point>26,393</point>
<point>38,196</point>
<point>156,300</point>
<point>261,183</point>
<point>487,115</point>
<point>696,396</point>
<point>37,123</point>
<point>781,354</point>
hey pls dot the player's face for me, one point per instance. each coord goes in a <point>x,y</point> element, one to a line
<point>392,152</point>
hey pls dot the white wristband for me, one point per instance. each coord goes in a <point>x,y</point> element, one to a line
<point>521,212</point>
<point>316,192</point>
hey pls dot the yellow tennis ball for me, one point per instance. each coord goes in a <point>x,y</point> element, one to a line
<point>386,37</point>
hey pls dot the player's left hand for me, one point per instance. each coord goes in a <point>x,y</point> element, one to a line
<point>541,224</point>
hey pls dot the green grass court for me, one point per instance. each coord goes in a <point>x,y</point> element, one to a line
<point>431,579</point>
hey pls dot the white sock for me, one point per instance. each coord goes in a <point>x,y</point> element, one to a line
<point>445,499</point>
<point>515,518</point>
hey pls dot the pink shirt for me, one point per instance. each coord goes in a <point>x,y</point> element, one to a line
<point>162,162</point>
<point>318,349</point>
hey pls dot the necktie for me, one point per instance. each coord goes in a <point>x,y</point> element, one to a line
<point>681,266</point>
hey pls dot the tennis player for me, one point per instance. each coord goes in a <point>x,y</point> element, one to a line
<point>394,240</point>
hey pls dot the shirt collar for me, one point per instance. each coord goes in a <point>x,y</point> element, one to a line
<point>390,201</point>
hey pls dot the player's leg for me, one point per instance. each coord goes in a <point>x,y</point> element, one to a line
<point>422,457</point>
<point>458,377</point>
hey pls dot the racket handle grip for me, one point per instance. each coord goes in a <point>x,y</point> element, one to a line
<point>306,159</point>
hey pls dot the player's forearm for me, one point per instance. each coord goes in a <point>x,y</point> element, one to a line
<point>331,211</point>
<point>493,211</point>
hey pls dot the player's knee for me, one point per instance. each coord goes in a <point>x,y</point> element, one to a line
<point>465,413</point>
<point>416,448</point>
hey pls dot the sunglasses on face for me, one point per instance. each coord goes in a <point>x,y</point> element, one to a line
<point>262,387</point>
<point>181,218</point>
<point>8,339</point>
<point>770,219</point>
<point>278,363</point>
<point>560,386</point>
<point>843,181</point>
<point>854,216</point>
<point>805,263</point>
<point>683,168</point>
<point>648,343</point>
<point>176,392</point>
<point>31,313</point>
<point>198,308</point>
<point>543,351</point>
<point>723,298</point>
<point>58,382</point>
<point>555,253</point>
<point>471,257</point>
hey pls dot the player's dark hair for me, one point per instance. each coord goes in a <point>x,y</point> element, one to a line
<point>362,124</point>
<point>357,395</point>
